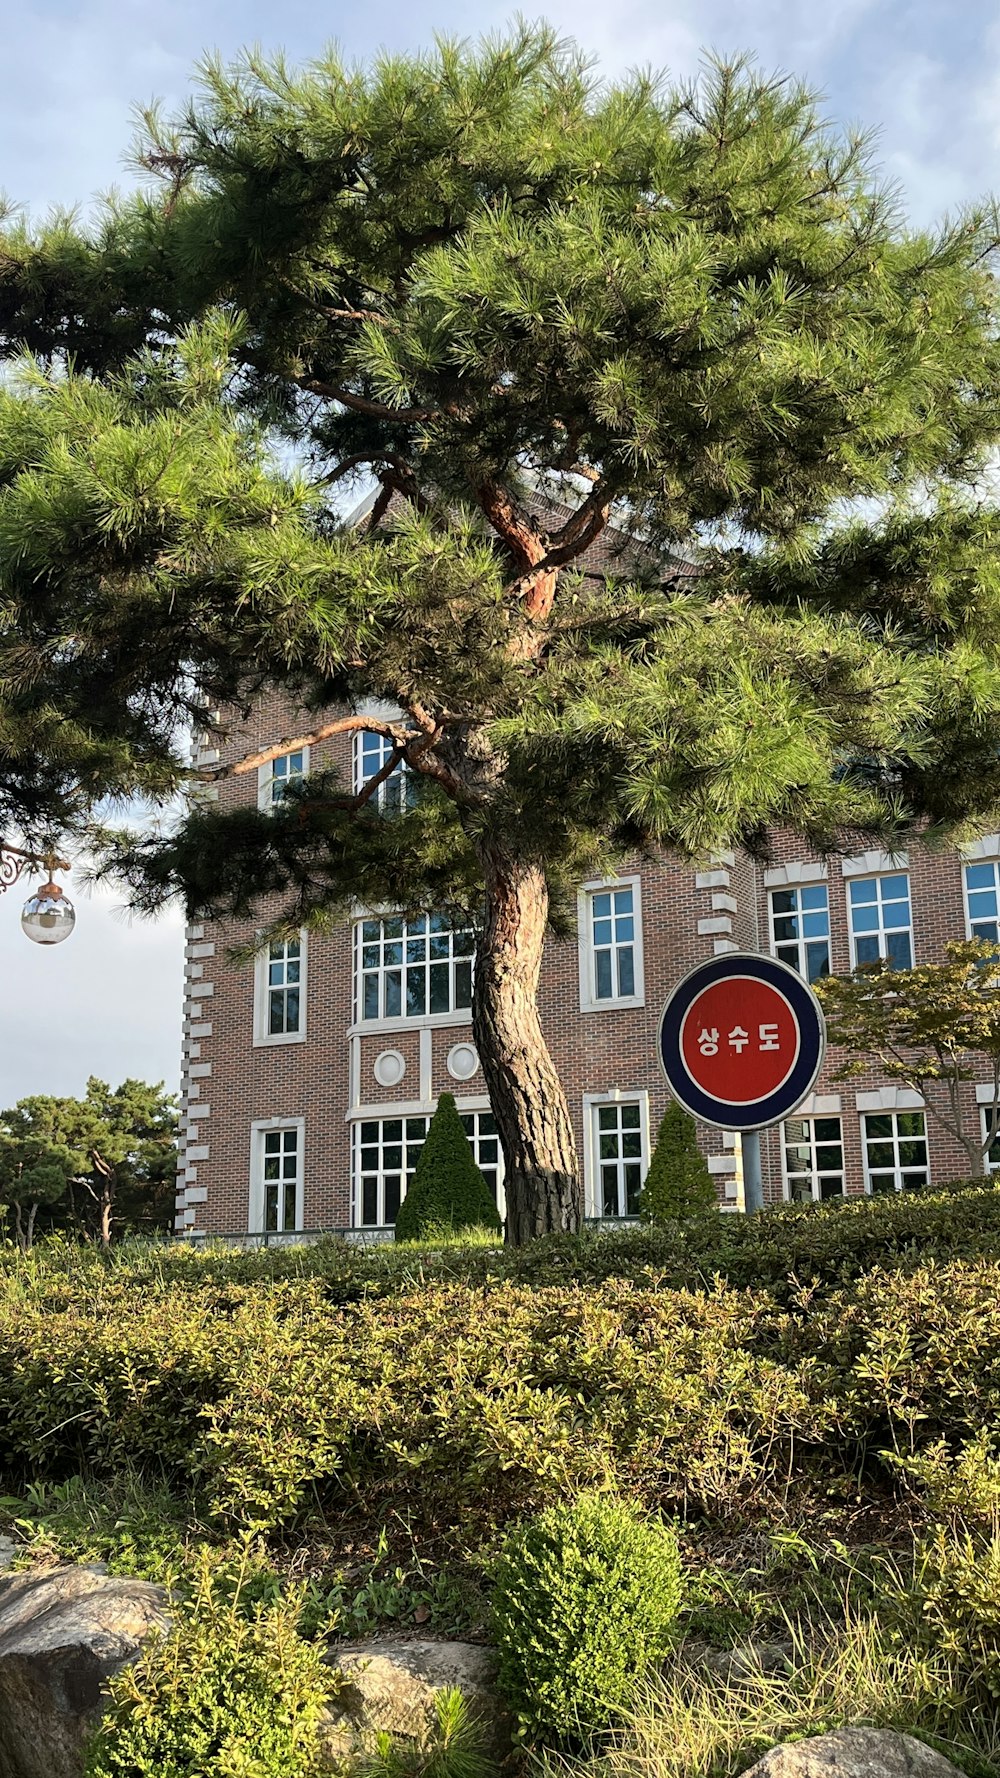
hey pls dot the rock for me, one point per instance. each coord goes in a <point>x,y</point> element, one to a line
<point>391,1686</point>
<point>63,1632</point>
<point>854,1753</point>
<point>8,1550</point>
<point>748,1660</point>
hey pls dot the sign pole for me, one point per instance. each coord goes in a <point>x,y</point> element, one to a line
<point>753,1180</point>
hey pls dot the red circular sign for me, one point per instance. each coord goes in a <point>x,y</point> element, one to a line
<point>740,1039</point>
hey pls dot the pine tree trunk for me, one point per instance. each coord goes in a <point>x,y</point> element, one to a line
<point>541,1178</point>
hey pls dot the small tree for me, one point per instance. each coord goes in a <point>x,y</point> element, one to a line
<point>33,1172</point>
<point>924,1027</point>
<point>447,1189</point>
<point>678,1184</point>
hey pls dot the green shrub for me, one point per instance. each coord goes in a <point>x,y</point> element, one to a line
<point>447,1191</point>
<point>678,1184</point>
<point>225,1694</point>
<point>585,1601</point>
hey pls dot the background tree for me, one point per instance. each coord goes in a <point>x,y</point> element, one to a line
<point>36,1163</point>
<point>108,1157</point>
<point>678,1184</point>
<point>537,314</point>
<point>128,1135</point>
<point>931,1028</point>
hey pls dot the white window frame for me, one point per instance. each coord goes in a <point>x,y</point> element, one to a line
<point>815,1174</point>
<point>587,960</point>
<point>402,775</point>
<point>802,942</point>
<point>978,864</point>
<point>259,1129</point>
<point>401,1115</point>
<point>401,1021</point>
<point>592,1103</point>
<point>897,1169</point>
<point>262,1037</point>
<point>476,1112</point>
<point>881,930</point>
<point>265,776</point>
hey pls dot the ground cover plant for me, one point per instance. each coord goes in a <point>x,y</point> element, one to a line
<point>813,1397</point>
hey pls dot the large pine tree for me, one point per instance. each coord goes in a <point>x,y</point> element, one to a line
<point>533,311</point>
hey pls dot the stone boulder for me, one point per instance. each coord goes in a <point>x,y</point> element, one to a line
<point>63,1633</point>
<point>854,1753</point>
<point>391,1686</point>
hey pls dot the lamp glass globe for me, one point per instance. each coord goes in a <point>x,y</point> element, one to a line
<point>47,920</point>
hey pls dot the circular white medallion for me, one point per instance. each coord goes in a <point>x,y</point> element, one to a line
<point>463,1062</point>
<point>389,1068</point>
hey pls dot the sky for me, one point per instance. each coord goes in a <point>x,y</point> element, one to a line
<point>925,75</point>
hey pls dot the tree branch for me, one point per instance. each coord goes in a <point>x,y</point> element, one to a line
<point>360,404</point>
<point>344,725</point>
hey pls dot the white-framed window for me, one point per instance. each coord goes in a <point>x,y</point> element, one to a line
<point>274,778</point>
<point>881,923</point>
<point>384,1155</point>
<point>800,928</point>
<point>982,900</point>
<point>813,1158</point>
<point>401,788</point>
<point>611,972</point>
<point>411,969</point>
<point>280,992</point>
<point>616,1154</point>
<point>276,1175</point>
<point>895,1145</point>
<point>484,1140</point>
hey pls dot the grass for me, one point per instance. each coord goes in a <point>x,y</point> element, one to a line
<point>840,1669</point>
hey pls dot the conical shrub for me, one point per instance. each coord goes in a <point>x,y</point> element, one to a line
<point>678,1184</point>
<point>447,1190</point>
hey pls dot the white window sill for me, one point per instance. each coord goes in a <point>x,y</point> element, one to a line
<point>278,1038</point>
<point>621,1005</point>
<point>419,1021</point>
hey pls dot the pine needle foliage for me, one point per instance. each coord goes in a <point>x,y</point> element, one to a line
<point>678,1184</point>
<point>545,316</point>
<point>447,1191</point>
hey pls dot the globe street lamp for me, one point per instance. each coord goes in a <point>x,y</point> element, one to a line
<point>48,915</point>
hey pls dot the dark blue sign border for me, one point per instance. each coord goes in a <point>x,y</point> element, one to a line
<point>723,1113</point>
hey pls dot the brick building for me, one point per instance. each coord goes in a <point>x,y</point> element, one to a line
<point>310,1075</point>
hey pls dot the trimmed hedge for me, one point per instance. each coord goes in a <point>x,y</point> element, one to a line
<point>461,1410</point>
<point>782,1249</point>
<point>585,1603</point>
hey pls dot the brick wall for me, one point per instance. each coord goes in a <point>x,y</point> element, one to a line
<point>233,1083</point>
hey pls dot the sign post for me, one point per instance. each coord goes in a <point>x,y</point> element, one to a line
<point>741,1043</point>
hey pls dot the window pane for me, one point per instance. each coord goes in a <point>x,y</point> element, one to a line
<point>862,891</point>
<point>815,896</point>
<point>980,876</point>
<point>867,950</point>
<point>393,1196</point>
<point>626,971</point>
<point>817,960</point>
<point>910,1123</point>
<point>602,961</point>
